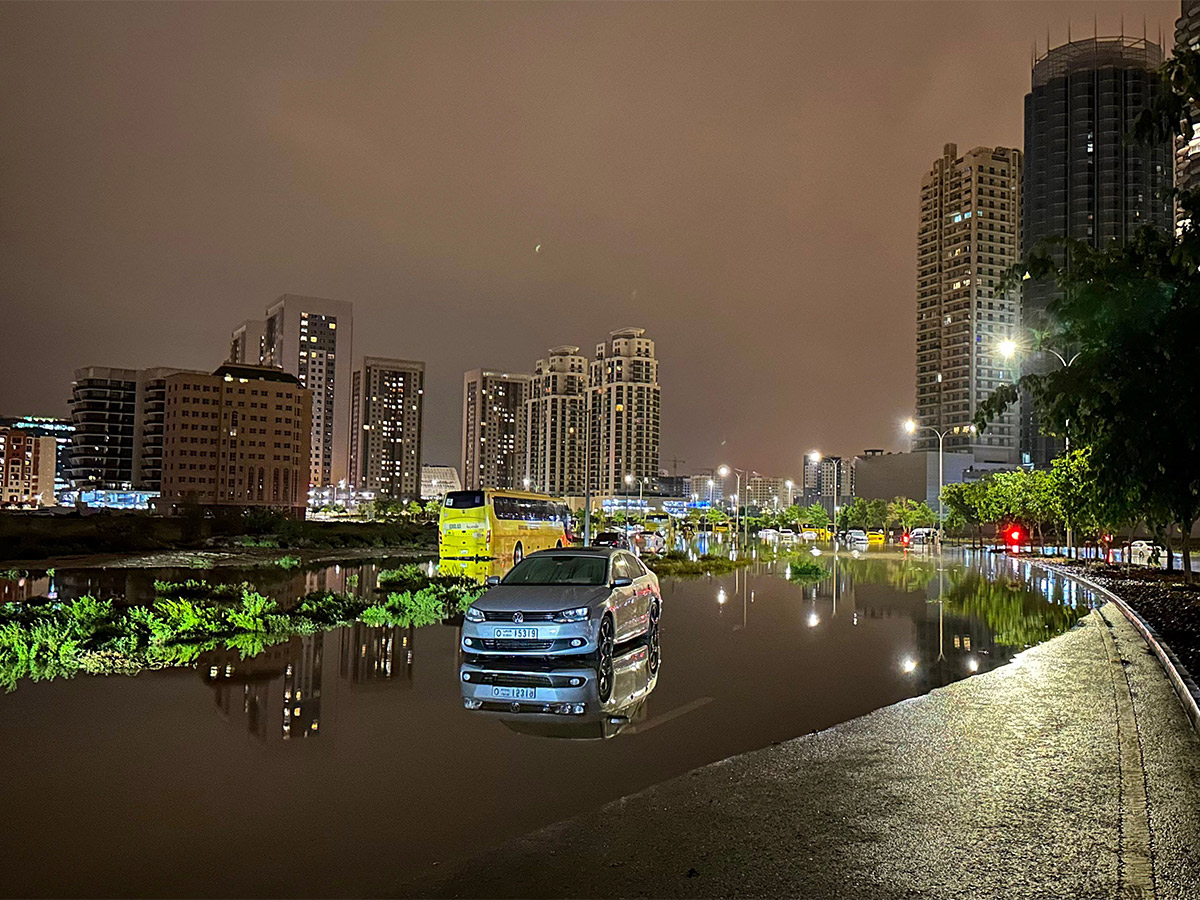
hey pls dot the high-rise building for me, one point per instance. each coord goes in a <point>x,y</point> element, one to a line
<point>313,339</point>
<point>966,242</point>
<point>556,422</point>
<point>1083,178</point>
<point>764,492</point>
<point>709,487</point>
<point>248,344</point>
<point>1187,148</point>
<point>26,468</point>
<point>829,481</point>
<point>237,438</point>
<point>387,400</point>
<point>493,429</point>
<point>438,481</point>
<point>625,398</point>
<point>59,429</point>
<point>118,419</point>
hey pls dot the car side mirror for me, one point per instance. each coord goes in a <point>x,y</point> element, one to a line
<point>622,581</point>
<point>493,579</point>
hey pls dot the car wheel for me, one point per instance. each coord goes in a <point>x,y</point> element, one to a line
<point>518,553</point>
<point>652,624</point>
<point>604,680</point>
<point>605,642</point>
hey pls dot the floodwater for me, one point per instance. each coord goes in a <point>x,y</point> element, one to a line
<point>346,763</point>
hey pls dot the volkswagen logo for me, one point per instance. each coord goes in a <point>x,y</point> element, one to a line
<point>518,617</point>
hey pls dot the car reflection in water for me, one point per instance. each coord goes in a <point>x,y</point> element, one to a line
<point>570,699</point>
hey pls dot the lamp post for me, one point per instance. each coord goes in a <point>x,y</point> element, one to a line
<point>911,427</point>
<point>628,486</point>
<point>724,471</point>
<point>789,487</point>
<point>815,457</point>
<point>1008,349</point>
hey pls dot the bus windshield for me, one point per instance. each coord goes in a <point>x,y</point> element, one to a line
<point>464,499</point>
<point>559,569</point>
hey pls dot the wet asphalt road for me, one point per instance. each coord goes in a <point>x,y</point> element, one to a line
<point>1069,773</point>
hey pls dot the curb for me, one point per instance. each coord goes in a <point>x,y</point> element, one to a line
<point>1181,680</point>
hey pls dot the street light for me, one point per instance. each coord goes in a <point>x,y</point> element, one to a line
<point>628,485</point>
<point>789,485</point>
<point>911,427</point>
<point>815,457</point>
<point>724,471</point>
<point>1008,349</point>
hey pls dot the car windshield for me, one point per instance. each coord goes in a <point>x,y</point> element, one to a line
<point>559,569</point>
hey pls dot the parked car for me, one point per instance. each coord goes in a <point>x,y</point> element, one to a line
<point>563,602</point>
<point>856,536</point>
<point>787,536</point>
<point>649,542</point>
<point>875,537</point>
<point>808,535</point>
<point>922,535</point>
<point>618,539</point>
<point>768,534</point>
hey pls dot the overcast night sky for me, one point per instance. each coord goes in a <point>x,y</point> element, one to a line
<point>739,179</point>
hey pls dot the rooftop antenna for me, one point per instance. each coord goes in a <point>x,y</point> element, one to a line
<point>1068,31</point>
<point>1122,23</point>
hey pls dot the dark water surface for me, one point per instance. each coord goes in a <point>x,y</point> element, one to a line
<point>346,763</point>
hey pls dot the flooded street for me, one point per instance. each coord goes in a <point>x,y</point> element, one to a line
<point>346,762</point>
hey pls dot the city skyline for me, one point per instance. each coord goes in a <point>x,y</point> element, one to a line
<point>742,271</point>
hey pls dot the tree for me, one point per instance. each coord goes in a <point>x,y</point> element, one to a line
<point>877,514</point>
<point>1128,315</point>
<point>853,515</point>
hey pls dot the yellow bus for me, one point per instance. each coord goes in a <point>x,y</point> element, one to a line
<point>503,525</point>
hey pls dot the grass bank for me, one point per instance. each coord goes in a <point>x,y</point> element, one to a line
<point>43,639</point>
<point>680,565</point>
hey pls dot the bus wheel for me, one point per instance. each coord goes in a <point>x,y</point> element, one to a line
<point>518,553</point>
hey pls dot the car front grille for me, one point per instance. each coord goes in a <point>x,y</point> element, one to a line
<point>514,644</point>
<point>527,616</point>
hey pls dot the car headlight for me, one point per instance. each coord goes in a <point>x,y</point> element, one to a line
<point>579,614</point>
<point>473,615</point>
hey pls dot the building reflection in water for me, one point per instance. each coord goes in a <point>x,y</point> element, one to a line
<point>376,655</point>
<point>278,693</point>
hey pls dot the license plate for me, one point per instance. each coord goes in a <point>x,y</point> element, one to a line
<point>515,693</point>
<point>516,634</point>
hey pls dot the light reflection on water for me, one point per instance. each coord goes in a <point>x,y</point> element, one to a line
<point>360,734</point>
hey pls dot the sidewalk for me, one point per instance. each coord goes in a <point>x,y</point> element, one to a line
<point>1070,773</point>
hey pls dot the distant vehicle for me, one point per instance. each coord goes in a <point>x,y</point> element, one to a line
<point>616,539</point>
<point>875,537</point>
<point>787,536</point>
<point>1147,553</point>
<point>564,602</point>
<point>922,535</point>
<point>649,542</point>
<point>809,535</point>
<point>856,536</point>
<point>768,534</point>
<point>498,524</point>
